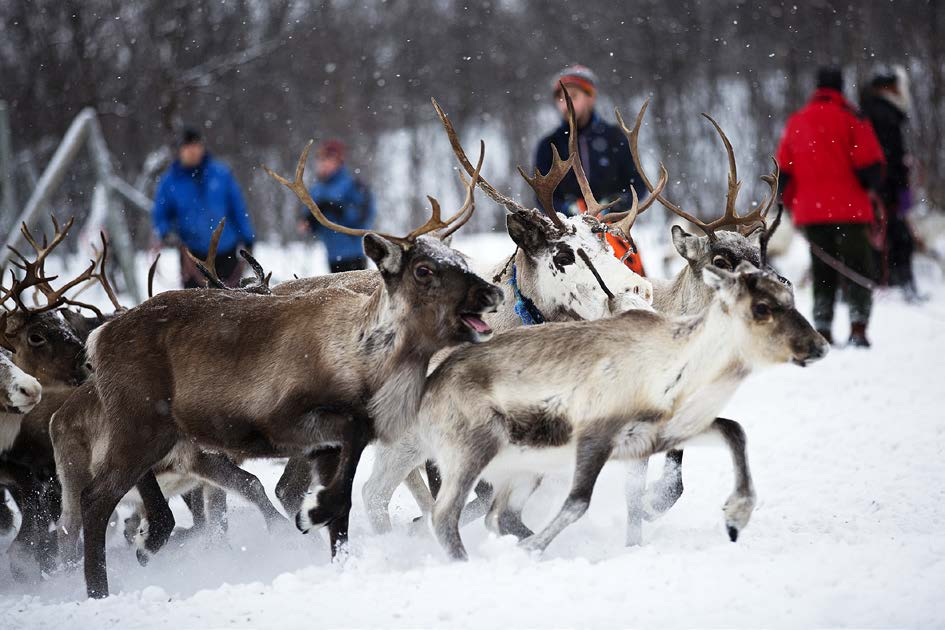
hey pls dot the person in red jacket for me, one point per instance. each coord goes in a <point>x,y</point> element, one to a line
<point>830,159</point>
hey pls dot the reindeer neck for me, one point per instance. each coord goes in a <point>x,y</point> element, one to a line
<point>711,345</point>
<point>398,349</point>
<point>685,294</point>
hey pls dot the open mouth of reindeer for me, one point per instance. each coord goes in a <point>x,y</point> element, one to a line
<point>474,322</point>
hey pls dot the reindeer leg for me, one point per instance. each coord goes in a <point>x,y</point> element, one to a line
<point>220,470</point>
<point>510,519</point>
<point>295,480</point>
<point>463,468</point>
<point>99,498</point>
<point>26,550</point>
<point>6,514</point>
<point>593,451</point>
<point>155,530</point>
<point>332,505</point>
<point>666,490</point>
<point>215,502</point>
<point>478,507</point>
<point>739,505</point>
<point>194,502</point>
<point>392,464</point>
<point>633,490</point>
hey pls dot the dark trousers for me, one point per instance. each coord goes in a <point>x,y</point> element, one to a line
<point>900,245</point>
<point>228,269</point>
<point>348,264</point>
<point>849,244</point>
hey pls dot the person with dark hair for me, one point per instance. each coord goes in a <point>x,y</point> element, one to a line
<point>605,153</point>
<point>195,194</point>
<point>344,200</point>
<point>830,159</point>
<point>886,103</point>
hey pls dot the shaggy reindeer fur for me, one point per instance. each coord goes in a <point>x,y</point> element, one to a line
<point>514,407</point>
<point>318,375</point>
<point>548,271</point>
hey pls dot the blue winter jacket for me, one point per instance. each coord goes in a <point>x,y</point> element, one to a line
<point>191,202</point>
<point>342,200</point>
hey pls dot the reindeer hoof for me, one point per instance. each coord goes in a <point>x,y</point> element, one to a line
<point>143,557</point>
<point>738,509</point>
<point>312,507</point>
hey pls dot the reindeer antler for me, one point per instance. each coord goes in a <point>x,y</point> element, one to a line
<point>102,275</point>
<point>623,221</point>
<point>594,208</point>
<point>34,273</point>
<point>730,216</point>
<point>208,266</point>
<point>297,186</point>
<point>488,188</point>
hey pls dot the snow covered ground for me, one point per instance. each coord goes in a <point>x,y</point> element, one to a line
<point>849,464</point>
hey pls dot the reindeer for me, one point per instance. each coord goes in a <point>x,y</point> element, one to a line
<point>44,343</point>
<point>511,408</point>
<point>561,270</point>
<point>685,294</point>
<point>323,368</point>
<point>152,522</point>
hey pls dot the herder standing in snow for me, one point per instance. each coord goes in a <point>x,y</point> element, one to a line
<point>830,159</point>
<point>886,103</point>
<point>605,153</point>
<point>194,195</point>
<point>344,200</point>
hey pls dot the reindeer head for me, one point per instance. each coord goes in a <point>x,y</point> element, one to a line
<point>421,273</point>
<point>763,307</point>
<point>570,271</point>
<point>43,342</point>
<point>19,392</point>
<point>436,284</point>
<point>724,248</point>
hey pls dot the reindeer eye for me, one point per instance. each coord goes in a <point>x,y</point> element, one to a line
<point>761,311</point>
<point>722,263</point>
<point>36,339</point>
<point>563,258</point>
<point>422,272</point>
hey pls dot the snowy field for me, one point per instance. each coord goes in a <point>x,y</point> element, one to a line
<point>849,465</point>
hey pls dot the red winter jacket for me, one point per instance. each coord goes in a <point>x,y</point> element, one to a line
<point>825,144</point>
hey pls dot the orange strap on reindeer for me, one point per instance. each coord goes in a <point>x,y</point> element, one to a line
<point>623,248</point>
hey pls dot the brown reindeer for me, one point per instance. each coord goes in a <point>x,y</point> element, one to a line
<point>323,368</point>
<point>41,341</point>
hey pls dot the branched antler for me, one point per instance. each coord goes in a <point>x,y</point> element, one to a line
<point>297,186</point>
<point>730,217</point>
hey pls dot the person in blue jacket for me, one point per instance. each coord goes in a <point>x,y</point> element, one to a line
<point>343,200</point>
<point>194,195</point>
<point>605,153</point>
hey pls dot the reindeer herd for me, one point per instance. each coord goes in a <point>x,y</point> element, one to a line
<point>558,358</point>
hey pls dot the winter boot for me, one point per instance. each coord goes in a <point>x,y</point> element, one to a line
<point>826,334</point>
<point>858,336</point>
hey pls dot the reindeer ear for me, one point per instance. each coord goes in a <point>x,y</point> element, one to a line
<point>525,233</point>
<point>745,267</point>
<point>719,279</point>
<point>387,255</point>
<point>754,239</point>
<point>689,247</point>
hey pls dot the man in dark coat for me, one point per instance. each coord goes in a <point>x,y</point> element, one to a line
<point>194,195</point>
<point>885,102</point>
<point>830,159</point>
<point>605,153</point>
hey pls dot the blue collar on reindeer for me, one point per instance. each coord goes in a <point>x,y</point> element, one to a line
<point>524,307</point>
